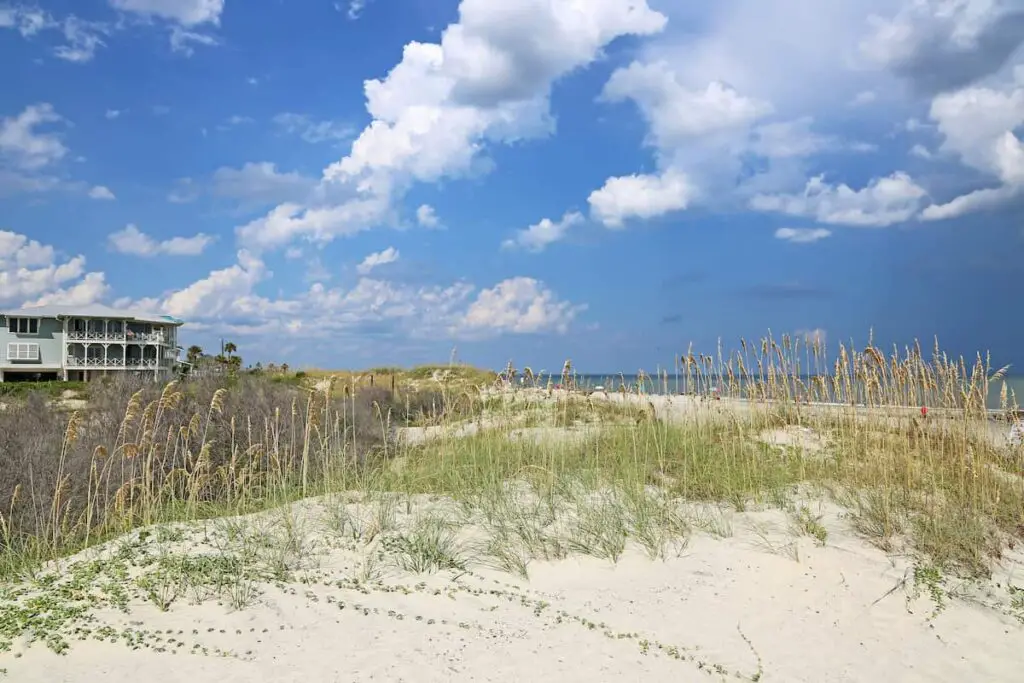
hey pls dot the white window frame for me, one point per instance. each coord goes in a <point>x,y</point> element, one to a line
<point>23,326</point>
<point>26,351</point>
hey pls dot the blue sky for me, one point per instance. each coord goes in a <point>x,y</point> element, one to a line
<point>344,184</point>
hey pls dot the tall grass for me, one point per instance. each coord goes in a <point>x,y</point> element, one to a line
<point>933,483</point>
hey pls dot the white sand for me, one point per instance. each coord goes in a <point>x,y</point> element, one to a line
<point>753,591</point>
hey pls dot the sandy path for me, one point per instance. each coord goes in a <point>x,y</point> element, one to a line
<point>759,599</point>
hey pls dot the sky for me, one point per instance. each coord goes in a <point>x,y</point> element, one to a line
<point>391,182</point>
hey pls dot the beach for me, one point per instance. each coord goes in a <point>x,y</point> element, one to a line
<point>496,534</point>
<point>742,599</point>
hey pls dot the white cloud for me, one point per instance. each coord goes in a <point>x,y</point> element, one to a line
<point>260,183</point>
<point>81,38</point>
<point>698,133</point>
<point>380,258</point>
<point>355,8</point>
<point>883,202</point>
<point>101,192</point>
<point>538,236</point>
<point>229,290</point>
<point>519,305</point>
<point>22,144</point>
<point>113,113</point>
<point>314,131</point>
<point>795,139</point>
<point>228,299</point>
<point>978,200</point>
<point>435,113</point>
<point>640,196</point>
<point>943,45</point>
<point>427,217</point>
<point>133,241</point>
<point>183,40</point>
<point>184,12</point>
<point>31,274</point>
<point>321,224</point>
<point>977,125</point>
<point>677,114</point>
<point>802,235</point>
<point>91,288</point>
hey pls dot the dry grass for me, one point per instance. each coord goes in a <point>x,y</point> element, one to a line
<point>932,485</point>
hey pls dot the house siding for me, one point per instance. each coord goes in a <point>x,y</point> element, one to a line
<point>50,339</point>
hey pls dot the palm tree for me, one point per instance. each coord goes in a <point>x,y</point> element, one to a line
<point>230,348</point>
<point>194,353</point>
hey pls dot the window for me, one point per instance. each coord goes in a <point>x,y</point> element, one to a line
<point>23,325</point>
<point>21,351</point>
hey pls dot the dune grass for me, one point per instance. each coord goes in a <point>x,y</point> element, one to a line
<point>933,485</point>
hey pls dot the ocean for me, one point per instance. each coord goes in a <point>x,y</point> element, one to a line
<point>673,385</point>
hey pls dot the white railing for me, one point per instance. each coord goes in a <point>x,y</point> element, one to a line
<point>120,337</point>
<point>78,362</point>
<point>146,337</point>
<point>95,336</point>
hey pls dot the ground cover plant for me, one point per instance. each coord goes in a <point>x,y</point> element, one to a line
<point>222,489</point>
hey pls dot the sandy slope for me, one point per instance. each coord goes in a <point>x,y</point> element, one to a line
<point>753,597</point>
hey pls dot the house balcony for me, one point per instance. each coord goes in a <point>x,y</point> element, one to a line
<point>145,337</point>
<point>130,363</point>
<point>93,336</point>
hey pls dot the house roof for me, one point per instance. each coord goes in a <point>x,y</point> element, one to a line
<point>91,311</point>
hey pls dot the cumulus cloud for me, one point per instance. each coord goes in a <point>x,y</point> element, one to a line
<point>31,152</point>
<point>133,241</point>
<point>943,45</point>
<point>228,298</point>
<point>538,236</point>
<point>883,202</point>
<point>226,291</point>
<point>640,196</point>
<point>24,145</point>
<point>101,192</point>
<point>184,12</point>
<point>977,125</point>
<point>677,114</point>
<point>185,18</point>
<point>487,81</point>
<point>520,305</point>
<point>260,183</point>
<point>427,217</point>
<point>32,274</point>
<point>380,258</point>
<point>802,235</point>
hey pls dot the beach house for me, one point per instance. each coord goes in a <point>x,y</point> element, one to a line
<point>81,343</point>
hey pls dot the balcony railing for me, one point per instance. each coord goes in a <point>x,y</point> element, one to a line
<point>157,337</point>
<point>79,362</point>
<point>119,337</point>
<point>78,335</point>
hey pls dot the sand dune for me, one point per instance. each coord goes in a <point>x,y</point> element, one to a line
<point>743,596</point>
